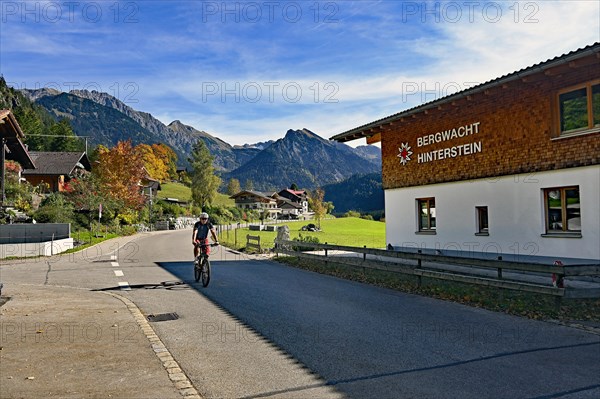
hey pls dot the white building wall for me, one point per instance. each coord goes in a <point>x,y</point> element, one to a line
<point>515,214</point>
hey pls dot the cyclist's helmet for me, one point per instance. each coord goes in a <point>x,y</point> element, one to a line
<point>204,215</point>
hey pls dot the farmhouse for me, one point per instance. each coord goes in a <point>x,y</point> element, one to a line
<point>254,200</point>
<point>507,168</point>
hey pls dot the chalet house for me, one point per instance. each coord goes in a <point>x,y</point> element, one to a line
<point>296,197</point>
<point>289,209</point>
<point>257,201</point>
<point>508,168</point>
<point>56,168</point>
<point>11,146</point>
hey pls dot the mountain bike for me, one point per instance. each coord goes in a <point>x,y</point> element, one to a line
<point>202,264</point>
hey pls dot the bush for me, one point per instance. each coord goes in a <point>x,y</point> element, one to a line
<point>352,214</point>
<point>306,239</point>
<point>127,217</point>
<point>128,230</point>
<point>221,215</point>
<point>55,209</point>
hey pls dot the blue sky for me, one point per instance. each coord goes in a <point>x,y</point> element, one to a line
<point>247,71</point>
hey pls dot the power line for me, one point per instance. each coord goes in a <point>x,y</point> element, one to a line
<point>62,135</point>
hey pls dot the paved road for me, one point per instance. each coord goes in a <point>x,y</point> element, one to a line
<point>262,329</point>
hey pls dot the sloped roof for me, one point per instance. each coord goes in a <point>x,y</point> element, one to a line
<point>57,163</point>
<point>286,203</point>
<point>11,131</point>
<point>264,196</point>
<point>297,193</point>
<point>367,129</point>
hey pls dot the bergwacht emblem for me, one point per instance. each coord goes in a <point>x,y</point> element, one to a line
<point>405,153</point>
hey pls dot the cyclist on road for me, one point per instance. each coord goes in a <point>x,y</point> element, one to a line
<point>200,234</point>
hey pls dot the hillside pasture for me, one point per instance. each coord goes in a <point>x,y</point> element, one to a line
<point>184,193</point>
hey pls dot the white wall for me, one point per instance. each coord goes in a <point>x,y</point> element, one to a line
<point>25,250</point>
<point>515,213</point>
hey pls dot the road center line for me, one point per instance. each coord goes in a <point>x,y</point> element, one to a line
<point>114,264</point>
<point>118,273</point>
<point>124,285</point>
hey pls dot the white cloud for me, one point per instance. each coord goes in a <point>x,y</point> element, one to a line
<point>379,58</point>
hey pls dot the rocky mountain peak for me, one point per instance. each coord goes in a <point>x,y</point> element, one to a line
<point>35,94</point>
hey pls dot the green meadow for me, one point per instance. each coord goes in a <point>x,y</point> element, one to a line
<point>341,231</point>
<point>184,193</point>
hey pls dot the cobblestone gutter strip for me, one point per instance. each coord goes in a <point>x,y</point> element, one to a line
<point>176,374</point>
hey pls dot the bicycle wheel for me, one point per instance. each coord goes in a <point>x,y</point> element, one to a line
<point>197,271</point>
<point>205,272</point>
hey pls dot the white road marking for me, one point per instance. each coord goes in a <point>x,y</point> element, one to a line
<point>114,264</point>
<point>124,286</point>
<point>118,273</point>
<point>113,257</point>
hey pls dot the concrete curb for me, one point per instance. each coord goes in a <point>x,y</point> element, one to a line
<point>180,380</point>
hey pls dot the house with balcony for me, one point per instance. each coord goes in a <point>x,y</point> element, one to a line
<point>249,200</point>
<point>298,199</point>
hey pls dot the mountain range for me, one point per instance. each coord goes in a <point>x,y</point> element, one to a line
<point>301,156</point>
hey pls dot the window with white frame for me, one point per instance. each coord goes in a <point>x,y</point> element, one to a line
<point>426,214</point>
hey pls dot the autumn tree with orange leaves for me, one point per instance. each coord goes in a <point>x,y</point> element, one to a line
<point>119,171</point>
<point>168,157</point>
<point>159,161</point>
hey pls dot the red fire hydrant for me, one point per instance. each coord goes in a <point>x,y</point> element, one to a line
<point>558,280</point>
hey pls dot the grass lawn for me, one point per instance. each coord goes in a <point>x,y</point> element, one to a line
<point>184,193</point>
<point>175,190</point>
<point>342,231</point>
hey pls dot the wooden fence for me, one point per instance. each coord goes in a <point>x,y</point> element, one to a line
<point>414,265</point>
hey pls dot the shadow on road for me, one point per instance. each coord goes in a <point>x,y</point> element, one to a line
<point>368,342</point>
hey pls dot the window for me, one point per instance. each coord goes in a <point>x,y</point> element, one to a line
<point>563,213</point>
<point>426,209</point>
<point>579,109</point>
<point>482,220</point>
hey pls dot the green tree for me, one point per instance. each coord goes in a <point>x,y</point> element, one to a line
<point>294,187</point>
<point>86,195</point>
<point>233,187</point>
<point>317,205</point>
<point>65,139</point>
<point>249,185</point>
<point>204,181</point>
<point>330,207</point>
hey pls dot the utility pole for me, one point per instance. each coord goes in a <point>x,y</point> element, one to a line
<point>2,175</point>
<point>150,208</point>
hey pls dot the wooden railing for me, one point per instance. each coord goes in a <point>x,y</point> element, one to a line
<point>414,265</point>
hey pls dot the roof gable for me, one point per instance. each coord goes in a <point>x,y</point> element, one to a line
<point>11,132</point>
<point>57,163</point>
<point>258,195</point>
